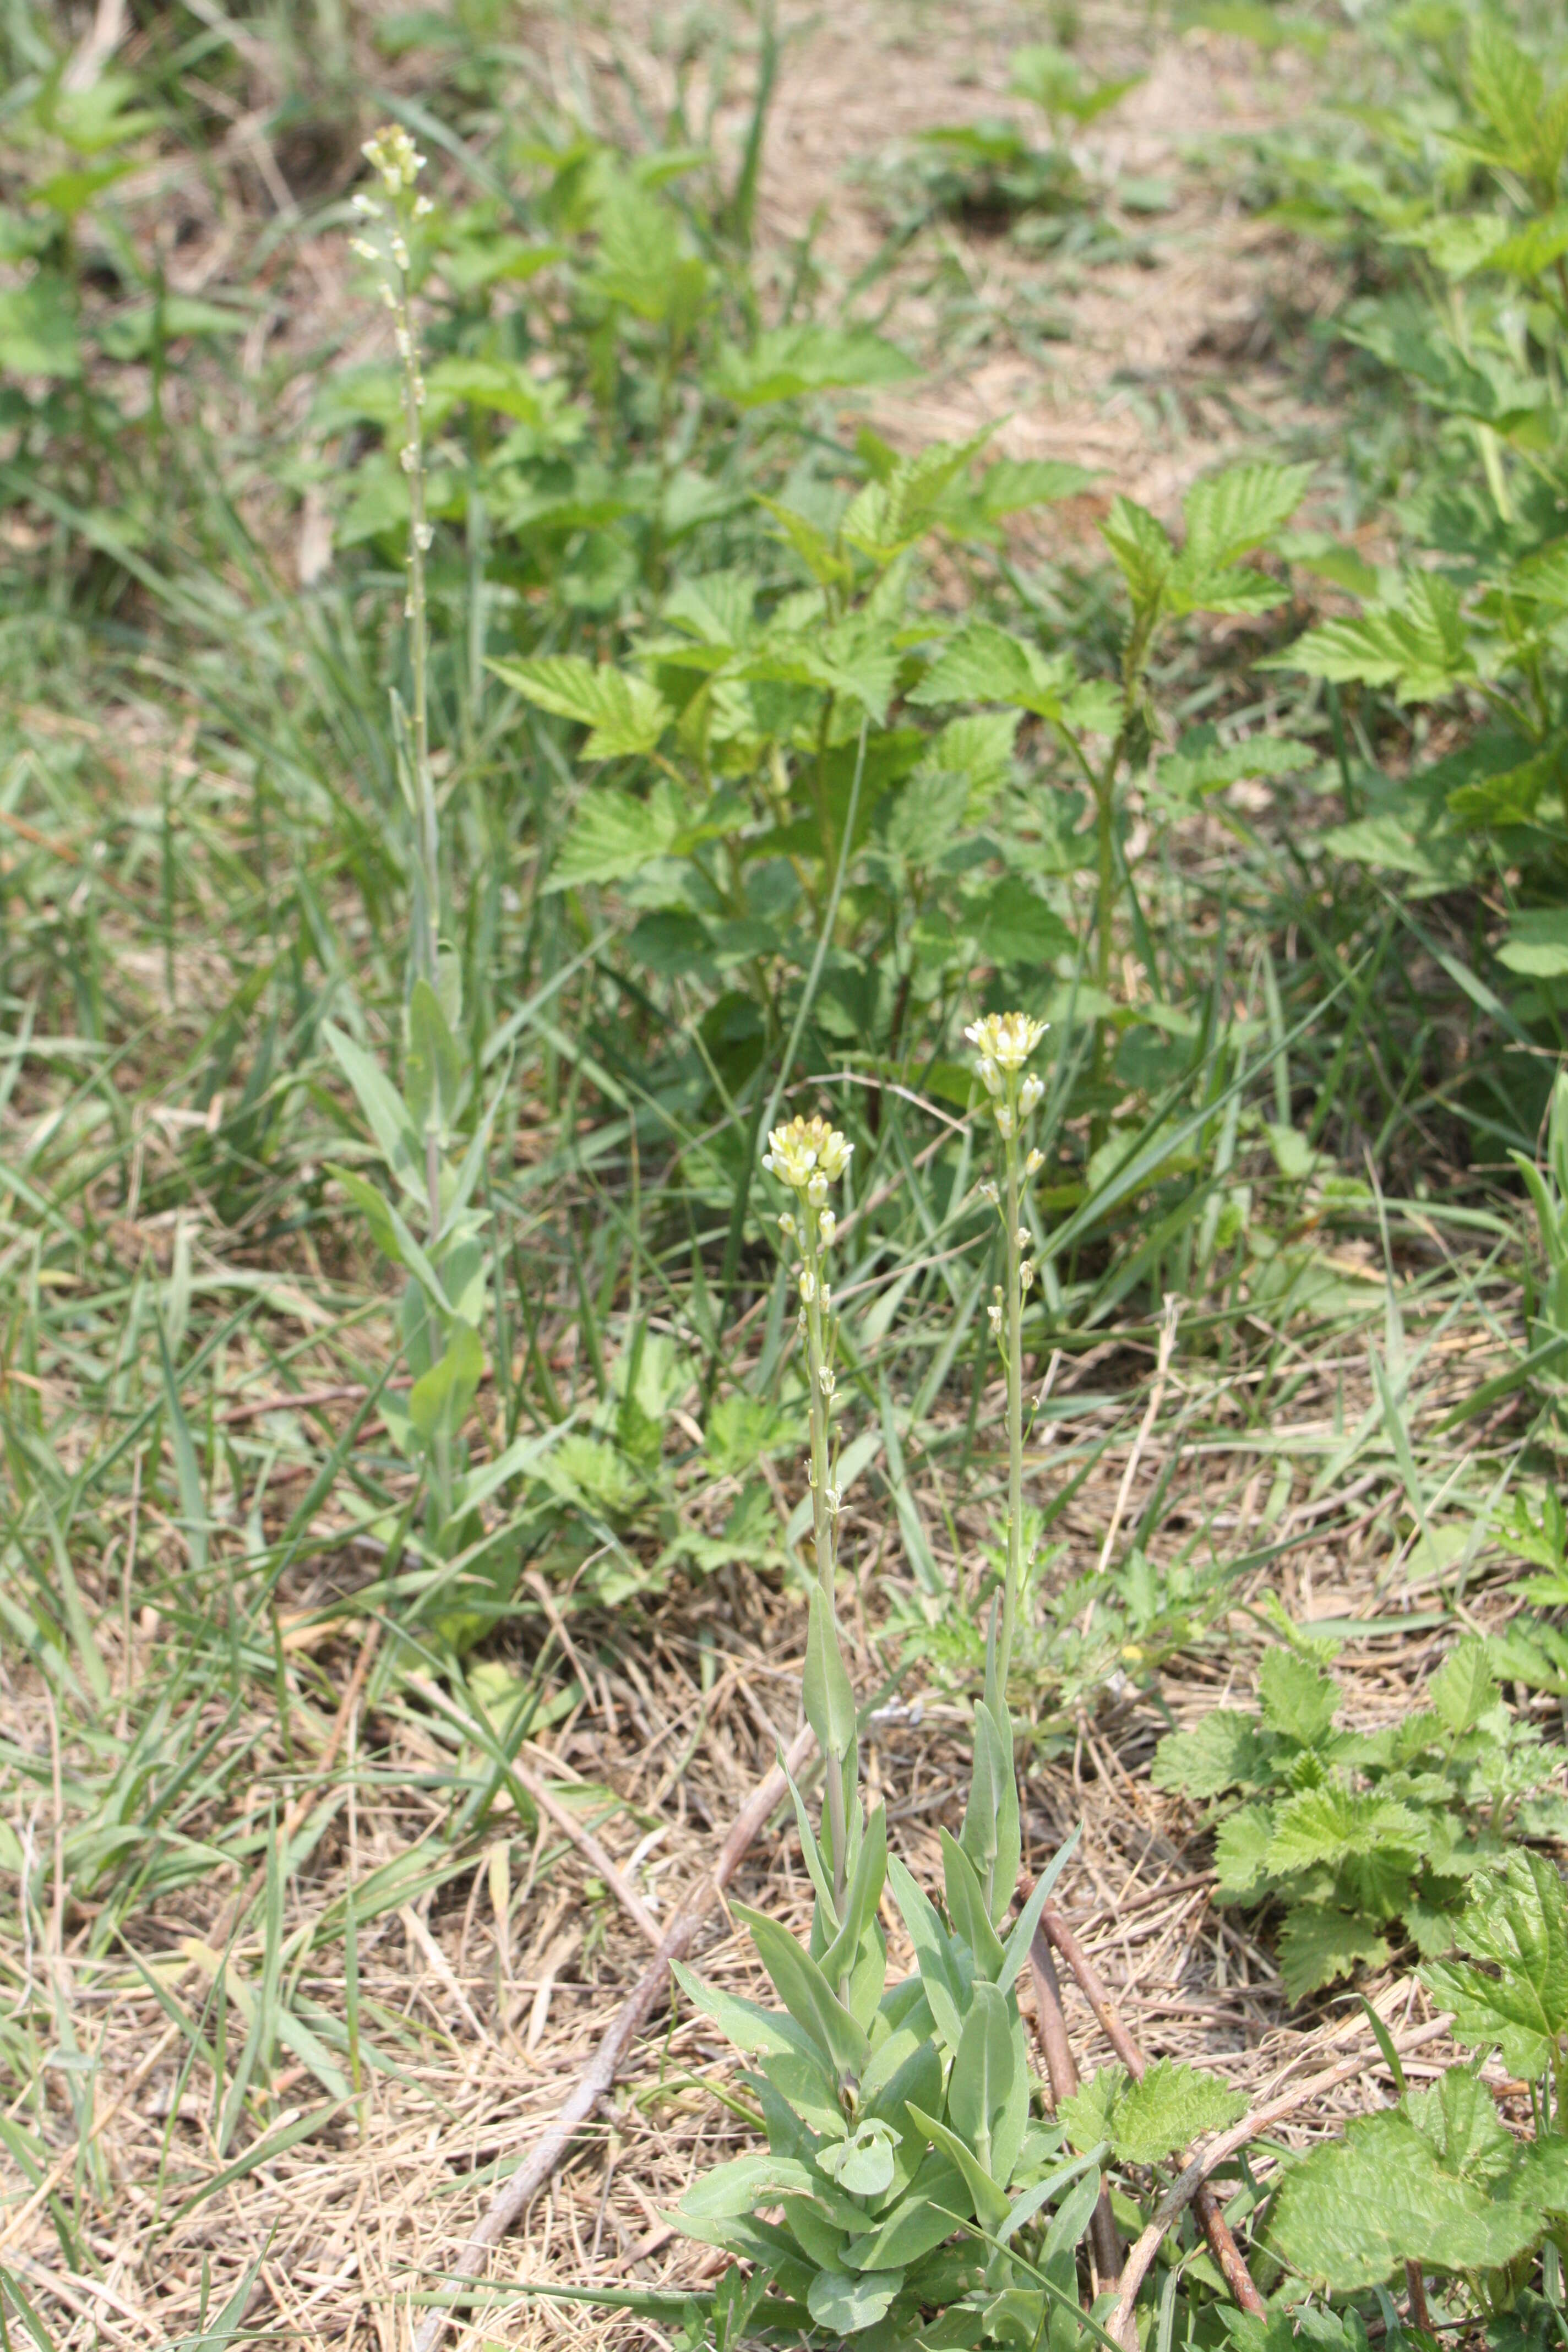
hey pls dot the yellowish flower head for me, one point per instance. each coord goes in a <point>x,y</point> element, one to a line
<point>1008,1039</point>
<point>392,153</point>
<point>806,1155</point>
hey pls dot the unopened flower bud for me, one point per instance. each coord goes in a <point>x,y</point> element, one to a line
<point>817,1190</point>
<point>827,1228</point>
<point>990,1073</point>
<point>1027,1273</point>
<point>786,1222</point>
<point>825,1379</point>
<point>807,1285</point>
<point>1021,1238</point>
<point>1034,1162</point>
<point>987,1192</point>
<point>1005,1122</point>
<point>1030,1094</point>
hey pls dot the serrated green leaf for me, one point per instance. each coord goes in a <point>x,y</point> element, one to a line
<point>1464,1685</point>
<point>1517,1922</point>
<point>1331,1825</point>
<point>1296,1697</point>
<point>787,363</point>
<point>1241,1850</point>
<point>1143,550</point>
<point>1230,514</point>
<point>1357,2209</point>
<point>614,835</point>
<point>1317,1945</point>
<point>885,516</point>
<point>1223,1751</point>
<point>984,662</point>
<point>1172,2106</point>
<point>625,715</point>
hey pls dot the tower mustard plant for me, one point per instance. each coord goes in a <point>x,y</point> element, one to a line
<point>417,1131</point>
<point>1004,1043</point>
<point>914,2183</point>
<point>808,1156</point>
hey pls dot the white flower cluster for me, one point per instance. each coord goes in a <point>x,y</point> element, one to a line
<point>1003,1043</point>
<point>807,1155</point>
<point>392,153</point>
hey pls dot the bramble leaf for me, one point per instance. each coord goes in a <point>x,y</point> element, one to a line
<point>625,714</point>
<point>1296,1697</point>
<point>1147,2121</point>
<point>1223,1751</point>
<point>613,835</point>
<point>786,362</point>
<point>1317,1945</point>
<point>1358,2208</point>
<point>1518,1921</point>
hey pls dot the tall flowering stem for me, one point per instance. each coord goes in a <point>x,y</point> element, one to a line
<point>809,1156</point>
<point>1004,1043</point>
<point>383,241</point>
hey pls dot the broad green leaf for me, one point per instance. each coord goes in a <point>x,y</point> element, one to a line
<point>1088,2114</point>
<point>38,329</point>
<point>919,2222</point>
<point>1464,1687</point>
<point>1230,514</point>
<point>1331,1825</point>
<point>1517,1922</point>
<point>625,715</point>
<point>1223,1750</point>
<point>396,1133</point>
<point>861,2165</point>
<point>1317,1945</point>
<point>1357,2209</point>
<point>613,835</point>
<point>806,1993</point>
<point>786,362</point>
<point>1297,1696</point>
<point>1537,943</point>
<point>847,2301</point>
<point>743,2184</point>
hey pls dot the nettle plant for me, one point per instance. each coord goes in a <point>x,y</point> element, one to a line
<point>427,1223</point>
<point>813,737</point>
<point>1439,2179</point>
<point>908,2171</point>
<point>1364,1838</point>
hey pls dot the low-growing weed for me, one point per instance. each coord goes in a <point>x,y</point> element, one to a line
<point>1363,1839</point>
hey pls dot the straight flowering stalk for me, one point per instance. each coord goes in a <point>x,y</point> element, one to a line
<point>1004,1042</point>
<point>384,243</point>
<point>809,1156</point>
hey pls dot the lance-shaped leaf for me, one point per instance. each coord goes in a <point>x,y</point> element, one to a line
<point>827,1692</point>
<point>806,1993</point>
<point>397,1136</point>
<point>990,2201</point>
<point>944,1988</point>
<point>439,1401</point>
<point>985,2070</point>
<point>436,1071</point>
<point>860,1903</point>
<point>967,1910</point>
<point>753,2028</point>
<point>1016,1952</point>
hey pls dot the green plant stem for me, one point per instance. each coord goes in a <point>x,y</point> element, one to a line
<point>823,1529</point>
<point>1015,1312</point>
<point>417,610</point>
